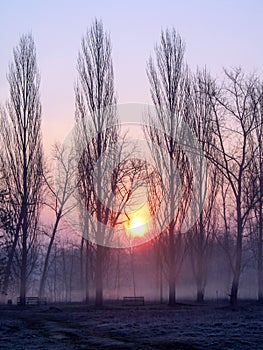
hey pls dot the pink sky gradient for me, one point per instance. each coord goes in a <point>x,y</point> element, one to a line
<point>217,34</point>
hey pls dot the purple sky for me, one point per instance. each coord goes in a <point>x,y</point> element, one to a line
<point>217,33</point>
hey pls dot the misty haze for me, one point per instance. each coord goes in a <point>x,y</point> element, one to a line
<point>139,226</point>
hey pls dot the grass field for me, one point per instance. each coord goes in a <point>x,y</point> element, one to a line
<point>186,326</point>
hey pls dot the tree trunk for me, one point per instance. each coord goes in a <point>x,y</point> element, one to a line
<point>160,276</point>
<point>23,276</point>
<point>236,277</point>
<point>133,272</point>
<point>171,275</point>
<point>87,274</point>
<point>44,274</point>
<point>172,299</point>
<point>201,276</point>
<point>200,280</point>
<point>200,294</point>
<point>201,259</point>
<point>234,291</point>
<point>82,267</point>
<point>260,279</point>
<point>117,279</point>
<point>260,257</point>
<point>9,263</point>
<point>98,278</point>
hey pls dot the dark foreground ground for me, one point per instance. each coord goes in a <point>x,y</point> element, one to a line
<point>186,326</point>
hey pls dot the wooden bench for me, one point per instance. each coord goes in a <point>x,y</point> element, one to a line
<point>133,301</point>
<point>33,301</point>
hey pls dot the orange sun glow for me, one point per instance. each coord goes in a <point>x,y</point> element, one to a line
<point>137,225</point>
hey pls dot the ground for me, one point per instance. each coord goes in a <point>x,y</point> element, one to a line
<point>185,326</point>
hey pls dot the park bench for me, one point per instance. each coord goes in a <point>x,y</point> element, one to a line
<point>33,301</point>
<point>133,301</point>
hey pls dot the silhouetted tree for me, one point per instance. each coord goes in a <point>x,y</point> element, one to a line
<point>96,117</point>
<point>201,236</point>
<point>59,191</point>
<point>233,113</point>
<point>22,151</point>
<point>255,186</point>
<point>168,81</point>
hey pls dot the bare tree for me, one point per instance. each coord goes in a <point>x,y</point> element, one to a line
<point>87,249</point>
<point>225,235</point>
<point>255,186</point>
<point>168,81</point>
<point>59,191</point>
<point>6,234</point>
<point>95,114</point>
<point>155,193</point>
<point>201,236</point>
<point>21,122</point>
<point>233,105</point>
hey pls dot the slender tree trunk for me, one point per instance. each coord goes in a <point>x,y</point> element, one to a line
<point>71,273</point>
<point>87,274</point>
<point>99,255</point>
<point>55,275</point>
<point>200,288</point>
<point>161,281</point>
<point>260,270</point>
<point>200,295</point>
<point>82,267</point>
<point>260,258</point>
<point>10,261</point>
<point>23,278</point>
<point>200,262</point>
<point>159,273</point>
<point>237,271</point>
<point>171,300</point>
<point>117,279</point>
<point>133,272</point>
<point>44,273</point>
<point>98,277</point>
<point>25,218</point>
<point>200,281</point>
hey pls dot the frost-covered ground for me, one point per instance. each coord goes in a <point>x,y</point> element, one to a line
<point>186,326</point>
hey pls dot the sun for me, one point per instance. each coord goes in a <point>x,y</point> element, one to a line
<point>137,226</point>
<point>137,221</point>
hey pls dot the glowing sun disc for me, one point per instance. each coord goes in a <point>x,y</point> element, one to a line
<point>137,226</point>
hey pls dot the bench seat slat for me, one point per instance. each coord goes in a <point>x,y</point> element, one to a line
<point>34,301</point>
<point>133,301</point>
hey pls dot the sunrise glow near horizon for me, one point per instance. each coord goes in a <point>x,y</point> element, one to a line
<point>138,222</point>
<point>216,35</point>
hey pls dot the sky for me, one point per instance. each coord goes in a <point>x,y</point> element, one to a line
<point>216,33</point>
